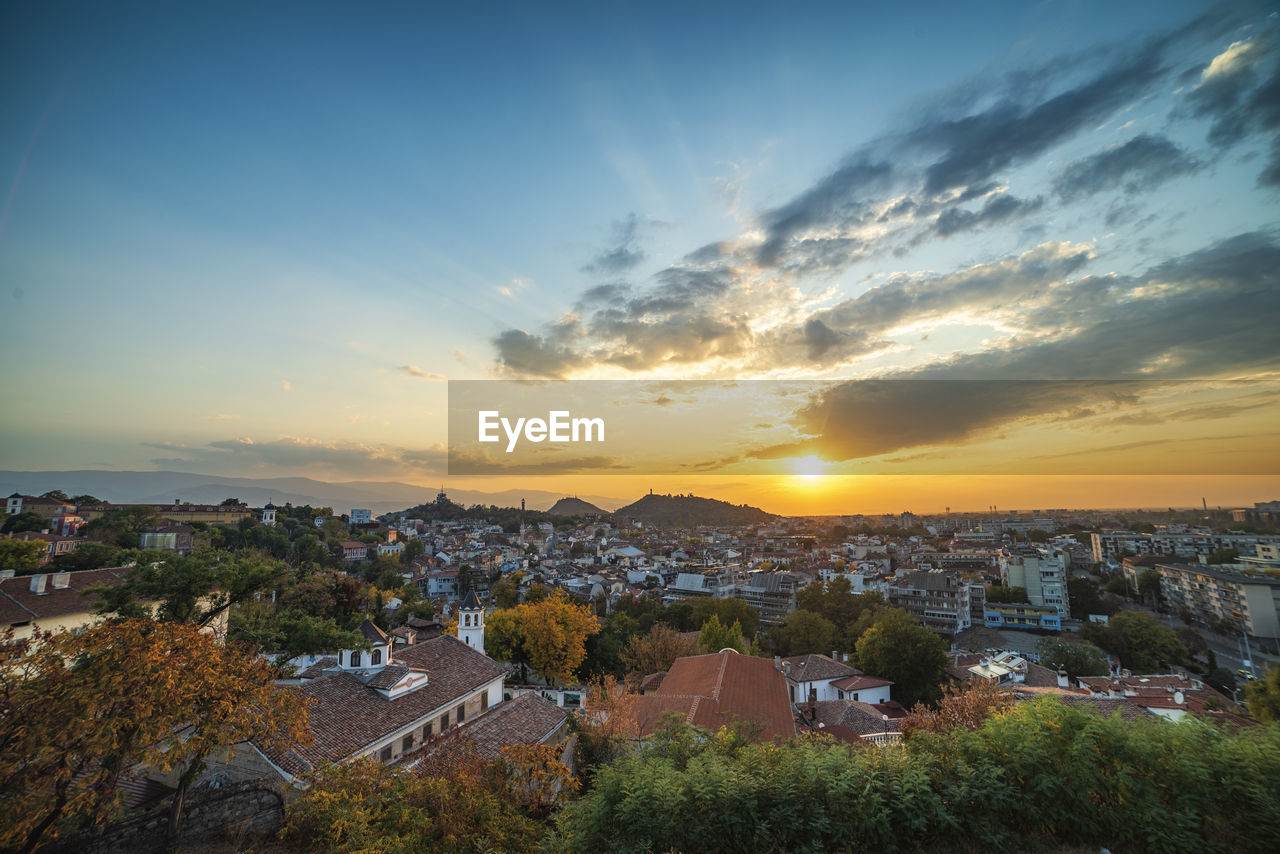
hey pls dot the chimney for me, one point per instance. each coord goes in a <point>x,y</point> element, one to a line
<point>777,662</point>
<point>61,580</point>
<point>38,582</point>
<point>6,573</point>
<point>812,711</point>
<point>835,655</point>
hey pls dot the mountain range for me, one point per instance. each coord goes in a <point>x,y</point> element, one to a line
<point>165,487</point>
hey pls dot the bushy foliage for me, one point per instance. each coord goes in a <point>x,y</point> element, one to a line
<point>1037,773</point>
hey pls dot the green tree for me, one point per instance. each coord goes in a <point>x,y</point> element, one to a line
<point>1149,587</point>
<point>999,594</point>
<point>91,556</point>
<point>199,588</point>
<point>27,520</point>
<point>900,650</point>
<point>1076,659</point>
<point>56,495</point>
<point>21,556</point>
<point>803,632</point>
<point>233,502</point>
<point>728,610</point>
<point>1221,556</point>
<point>716,636</point>
<point>85,499</point>
<point>1263,696</point>
<point>506,594</point>
<point>604,649</point>
<point>1142,644</point>
<point>1082,593</point>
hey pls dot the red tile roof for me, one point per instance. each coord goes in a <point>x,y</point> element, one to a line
<point>527,719</point>
<point>348,715</point>
<point>858,683</point>
<point>814,668</point>
<point>19,605</point>
<point>719,690</point>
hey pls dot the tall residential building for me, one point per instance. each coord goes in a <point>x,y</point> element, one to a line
<point>1041,573</point>
<point>1246,601</point>
<point>941,601</point>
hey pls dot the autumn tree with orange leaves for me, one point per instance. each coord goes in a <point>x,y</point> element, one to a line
<point>550,634</point>
<point>966,707</point>
<point>79,710</point>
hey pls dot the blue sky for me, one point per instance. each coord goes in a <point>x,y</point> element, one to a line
<point>251,240</point>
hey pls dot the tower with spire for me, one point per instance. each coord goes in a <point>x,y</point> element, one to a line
<point>471,622</point>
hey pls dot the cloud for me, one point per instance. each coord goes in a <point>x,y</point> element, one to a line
<point>761,302</point>
<point>513,287</point>
<point>625,252</point>
<point>1097,343</point>
<point>1000,208</point>
<point>292,453</point>
<point>419,374</point>
<point>1141,164</point>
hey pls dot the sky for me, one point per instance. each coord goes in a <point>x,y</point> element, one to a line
<point>259,239</point>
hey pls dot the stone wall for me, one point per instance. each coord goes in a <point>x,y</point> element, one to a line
<point>237,811</point>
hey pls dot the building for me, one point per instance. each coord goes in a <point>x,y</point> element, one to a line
<point>380,705</point>
<point>819,678</point>
<point>772,594</point>
<point>213,514</point>
<point>353,552</point>
<point>940,601</point>
<point>471,622</point>
<point>1039,572</point>
<point>720,690</point>
<point>361,517</point>
<point>1021,616</point>
<point>171,538</point>
<point>1110,545</point>
<point>47,507</point>
<point>55,544</point>
<point>52,601</point>
<point>1245,601</point>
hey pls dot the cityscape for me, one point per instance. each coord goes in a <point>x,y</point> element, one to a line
<point>680,427</point>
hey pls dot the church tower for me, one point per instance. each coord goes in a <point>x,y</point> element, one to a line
<point>471,622</point>
<point>269,515</point>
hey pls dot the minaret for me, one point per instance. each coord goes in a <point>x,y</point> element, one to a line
<point>471,621</point>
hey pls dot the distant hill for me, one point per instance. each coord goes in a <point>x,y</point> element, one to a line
<point>165,487</point>
<point>687,511</point>
<point>575,507</point>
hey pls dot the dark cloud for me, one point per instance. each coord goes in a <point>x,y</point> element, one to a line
<point>1141,164</point>
<point>841,199</point>
<point>344,459</point>
<point>1107,341</point>
<point>1228,91</point>
<point>1001,208</point>
<point>625,252</point>
<point>524,354</point>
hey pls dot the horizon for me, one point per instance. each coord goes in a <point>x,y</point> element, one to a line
<point>262,243</point>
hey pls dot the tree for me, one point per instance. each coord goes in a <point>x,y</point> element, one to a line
<point>27,520</point>
<point>1142,644</point>
<point>1263,697</point>
<point>656,651</point>
<point>1220,556</point>
<point>134,693</point>
<point>506,594</point>
<point>85,499</point>
<point>56,495</point>
<point>120,527</point>
<point>21,555</point>
<point>968,707</point>
<point>1076,659</point>
<point>912,657</point>
<point>604,649</point>
<point>1149,586</point>
<point>289,634</point>
<point>233,502</point>
<point>90,556</point>
<point>804,632</point>
<point>716,636</point>
<point>550,635</point>
<point>728,610</point>
<point>1082,593</point>
<point>198,588</point>
<point>999,594</point>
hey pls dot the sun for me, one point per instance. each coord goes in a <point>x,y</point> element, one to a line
<point>809,468</point>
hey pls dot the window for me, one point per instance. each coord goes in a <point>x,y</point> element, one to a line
<point>444,722</point>
<point>408,743</point>
<point>484,702</point>
<point>355,659</point>
<point>426,731</point>
<point>385,755</point>
<point>462,713</point>
<point>376,657</point>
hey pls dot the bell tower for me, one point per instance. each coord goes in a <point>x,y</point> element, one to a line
<point>471,622</point>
